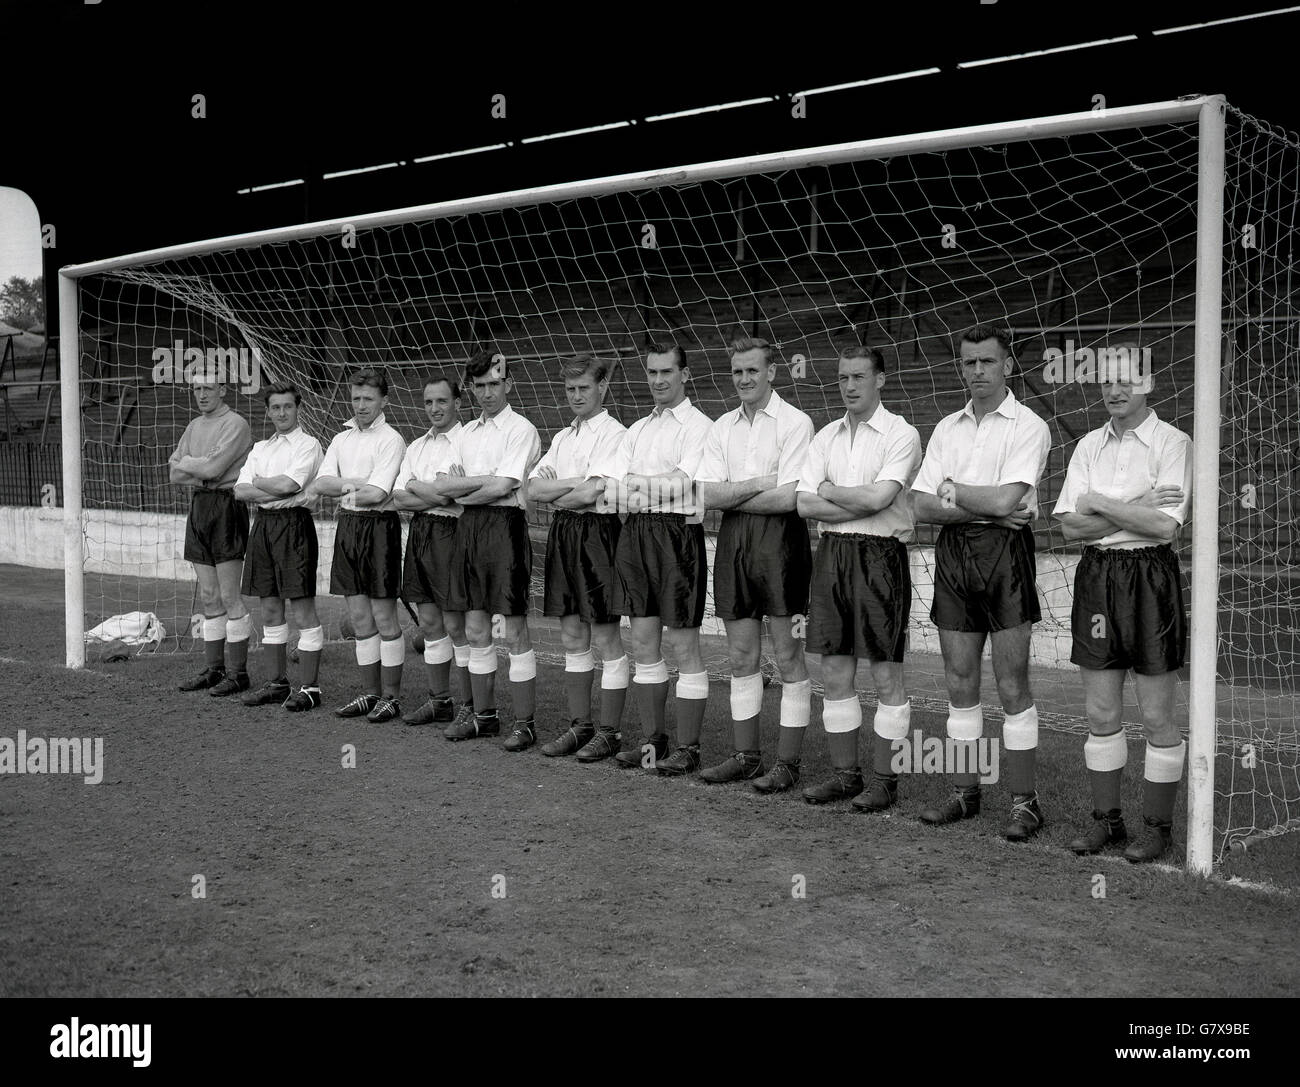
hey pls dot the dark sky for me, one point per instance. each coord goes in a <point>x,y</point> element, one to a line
<point>101,135</point>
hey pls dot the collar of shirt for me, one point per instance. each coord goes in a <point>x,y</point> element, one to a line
<point>499,420</point>
<point>576,425</point>
<point>445,434</point>
<point>1144,431</point>
<point>1007,408</point>
<point>678,412</point>
<point>379,422</point>
<point>288,436</point>
<point>879,421</point>
<point>772,409</point>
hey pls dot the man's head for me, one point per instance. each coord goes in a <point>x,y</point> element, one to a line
<point>209,393</point>
<point>1124,375</point>
<point>986,362</point>
<point>666,373</point>
<point>442,401</point>
<point>861,377</point>
<point>488,374</point>
<point>586,381</point>
<point>369,395</point>
<point>753,369</point>
<point>282,400</point>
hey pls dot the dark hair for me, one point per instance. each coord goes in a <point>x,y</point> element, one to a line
<point>862,351</point>
<point>582,365</point>
<point>439,378</point>
<point>742,344</point>
<point>481,362</point>
<point>372,376</point>
<point>279,389</point>
<point>980,333</point>
<point>670,348</point>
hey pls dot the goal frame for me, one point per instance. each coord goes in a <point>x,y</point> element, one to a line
<point>1209,113</point>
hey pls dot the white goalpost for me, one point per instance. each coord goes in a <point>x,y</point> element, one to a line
<point>1088,225</point>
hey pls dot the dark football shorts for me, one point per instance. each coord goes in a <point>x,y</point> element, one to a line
<point>984,578</point>
<point>1129,610</point>
<point>580,549</point>
<point>282,555</point>
<point>216,530</point>
<point>367,554</point>
<point>491,562</point>
<point>661,569</point>
<point>861,597</point>
<point>762,565</point>
<point>426,573</point>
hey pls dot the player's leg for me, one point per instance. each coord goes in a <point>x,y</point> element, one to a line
<point>1019,729</point>
<point>962,652</point>
<point>438,655</point>
<point>1166,753</point>
<point>523,682</point>
<point>368,649</point>
<point>482,677</point>
<point>889,727</point>
<point>579,672</point>
<point>1105,753</point>
<point>636,569</point>
<point>311,643</point>
<point>239,628</point>
<point>796,703</point>
<point>392,658</point>
<point>828,633</point>
<point>690,701</point>
<point>275,653</point>
<point>649,689</point>
<point>607,639</point>
<point>842,720</point>
<point>744,642</point>
<point>454,622</point>
<point>214,630</point>
<point>683,585</point>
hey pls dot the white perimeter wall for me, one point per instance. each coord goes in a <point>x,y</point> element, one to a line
<point>151,545</point>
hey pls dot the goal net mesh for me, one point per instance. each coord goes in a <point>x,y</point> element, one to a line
<point>1074,242</point>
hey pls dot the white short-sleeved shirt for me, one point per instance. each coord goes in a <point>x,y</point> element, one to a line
<point>425,457</point>
<point>884,448</point>
<point>506,445</point>
<point>374,454</point>
<point>666,440</point>
<point>774,442</point>
<point>296,455</point>
<point>580,446</point>
<point>1126,467</point>
<point>1009,445</point>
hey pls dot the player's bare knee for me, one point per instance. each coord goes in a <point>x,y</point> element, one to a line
<point>1013,690</point>
<point>744,660</point>
<point>575,637</point>
<point>303,613</point>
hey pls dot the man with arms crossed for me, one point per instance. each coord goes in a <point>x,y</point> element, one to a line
<point>208,458</point>
<point>1127,491</point>
<point>856,479</point>
<point>752,462</point>
<point>979,481</point>
<point>426,573</point>
<point>282,548</point>
<point>359,468</point>
<point>580,549</point>
<point>661,569</point>
<point>492,561</point>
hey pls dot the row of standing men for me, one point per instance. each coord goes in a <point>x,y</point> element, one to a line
<point>627,541</point>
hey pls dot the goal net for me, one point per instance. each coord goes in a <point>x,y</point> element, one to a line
<point>1079,233</point>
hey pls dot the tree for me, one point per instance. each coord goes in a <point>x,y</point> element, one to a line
<point>22,302</point>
